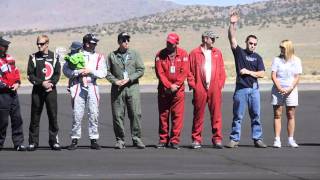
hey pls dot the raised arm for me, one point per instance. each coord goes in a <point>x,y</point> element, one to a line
<point>234,17</point>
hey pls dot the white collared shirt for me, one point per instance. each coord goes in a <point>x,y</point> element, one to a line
<point>207,65</point>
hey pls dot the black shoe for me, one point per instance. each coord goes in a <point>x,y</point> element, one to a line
<point>120,144</point>
<point>1,147</point>
<point>174,146</point>
<point>161,145</point>
<point>218,145</point>
<point>95,145</point>
<point>73,145</point>
<point>20,148</point>
<point>55,147</point>
<point>32,147</point>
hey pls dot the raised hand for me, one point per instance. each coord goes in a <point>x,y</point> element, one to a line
<point>234,16</point>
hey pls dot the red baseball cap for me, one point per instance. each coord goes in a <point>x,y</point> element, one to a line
<point>173,38</point>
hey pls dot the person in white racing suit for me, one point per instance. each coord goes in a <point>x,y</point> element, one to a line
<point>86,97</point>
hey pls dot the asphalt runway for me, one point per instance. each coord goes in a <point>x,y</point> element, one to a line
<point>244,162</point>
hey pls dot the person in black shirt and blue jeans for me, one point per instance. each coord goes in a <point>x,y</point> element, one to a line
<point>249,67</point>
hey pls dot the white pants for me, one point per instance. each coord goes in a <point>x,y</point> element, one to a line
<point>82,99</point>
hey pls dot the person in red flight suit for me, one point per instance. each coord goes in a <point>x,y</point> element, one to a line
<point>9,100</point>
<point>207,80</point>
<point>172,68</point>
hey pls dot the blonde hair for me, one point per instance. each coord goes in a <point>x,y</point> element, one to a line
<point>288,47</point>
<point>43,36</point>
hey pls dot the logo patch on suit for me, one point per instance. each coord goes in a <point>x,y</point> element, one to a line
<point>48,70</point>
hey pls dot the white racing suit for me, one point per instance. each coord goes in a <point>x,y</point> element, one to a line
<point>86,97</point>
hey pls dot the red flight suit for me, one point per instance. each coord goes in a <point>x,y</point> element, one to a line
<point>203,95</point>
<point>171,103</point>
<point>9,73</point>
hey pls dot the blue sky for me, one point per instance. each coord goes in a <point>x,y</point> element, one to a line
<point>214,2</point>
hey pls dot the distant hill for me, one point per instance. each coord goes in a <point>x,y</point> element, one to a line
<point>262,14</point>
<point>59,14</point>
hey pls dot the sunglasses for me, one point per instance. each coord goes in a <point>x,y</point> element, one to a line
<point>251,43</point>
<point>41,44</point>
<point>93,44</point>
<point>125,40</point>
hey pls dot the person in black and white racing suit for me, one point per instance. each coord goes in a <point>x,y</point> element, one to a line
<point>44,72</point>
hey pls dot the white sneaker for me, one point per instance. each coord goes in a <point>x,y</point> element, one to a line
<point>292,143</point>
<point>277,143</point>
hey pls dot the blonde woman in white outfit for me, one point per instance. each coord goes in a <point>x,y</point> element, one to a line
<point>286,69</point>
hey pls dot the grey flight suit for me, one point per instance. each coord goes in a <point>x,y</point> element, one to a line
<point>127,95</point>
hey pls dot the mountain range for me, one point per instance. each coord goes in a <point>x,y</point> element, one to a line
<point>146,16</point>
<point>59,14</point>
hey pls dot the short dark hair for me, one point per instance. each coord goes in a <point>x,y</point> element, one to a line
<point>251,36</point>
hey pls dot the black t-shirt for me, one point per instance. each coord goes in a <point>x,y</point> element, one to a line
<point>250,61</point>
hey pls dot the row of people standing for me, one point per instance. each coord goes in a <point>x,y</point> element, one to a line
<point>204,71</point>
<point>124,69</point>
<point>44,92</point>
<point>83,67</point>
<point>203,68</point>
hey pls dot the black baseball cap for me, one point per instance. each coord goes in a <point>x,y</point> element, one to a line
<point>123,35</point>
<point>90,38</point>
<point>4,42</point>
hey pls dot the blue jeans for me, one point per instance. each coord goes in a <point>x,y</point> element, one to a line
<point>246,97</point>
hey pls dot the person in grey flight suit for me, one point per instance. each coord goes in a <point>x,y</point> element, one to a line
<point>125,67</point>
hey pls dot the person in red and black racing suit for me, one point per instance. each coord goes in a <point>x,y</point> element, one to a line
<point>43,72</point>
